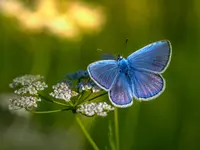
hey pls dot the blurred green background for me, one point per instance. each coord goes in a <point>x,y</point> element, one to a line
<point>56,37</point>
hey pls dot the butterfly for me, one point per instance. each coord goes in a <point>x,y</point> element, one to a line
<point>138,76</point>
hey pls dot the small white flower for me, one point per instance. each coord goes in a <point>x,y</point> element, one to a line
<point>84,86</point>
<point>90,109</point>
<point>63,91</point>
<point>96,89</point>
<point>19,102</point>
<point>28,84</point>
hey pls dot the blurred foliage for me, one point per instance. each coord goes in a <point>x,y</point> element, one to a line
<point>171,121</point>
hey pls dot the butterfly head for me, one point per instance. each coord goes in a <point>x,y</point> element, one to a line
<point>119,58</point>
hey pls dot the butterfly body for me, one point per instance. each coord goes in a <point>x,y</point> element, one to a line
<point>138,76</point>
<point>123,65</point>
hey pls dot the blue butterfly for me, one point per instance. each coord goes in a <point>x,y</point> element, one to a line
<point>138,76</point>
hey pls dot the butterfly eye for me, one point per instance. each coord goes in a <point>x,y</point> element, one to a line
<point>119,58</point>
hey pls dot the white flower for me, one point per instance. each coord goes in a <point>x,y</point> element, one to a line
<point>63,91</point>
<point>96,89</point>
<point>28,84</point>
<point>19,102</point>
<point>85,86</point>
<point>90,109</point>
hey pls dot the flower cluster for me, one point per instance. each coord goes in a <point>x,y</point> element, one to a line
<point>63,91</point>
<point>84,84</point>
<point>27,102</point>
<point>28,84</point>
<point>91,109</point>
<point>26,87</point>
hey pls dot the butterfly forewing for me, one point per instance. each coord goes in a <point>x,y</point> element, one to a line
<point>104,73</point>
<point>121,93</point>
<point>153,57</point>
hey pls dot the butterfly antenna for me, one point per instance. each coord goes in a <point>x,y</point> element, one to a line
<point>125,43</point>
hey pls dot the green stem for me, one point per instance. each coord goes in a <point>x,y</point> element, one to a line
<point>86,133</point>
<point>116,128</point>
<point>87,96</point>
<point>80,96</point>
<point>97,96</point>
<point>52,101</point>
<point>49,111</point>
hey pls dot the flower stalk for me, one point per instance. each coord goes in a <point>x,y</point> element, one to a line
<point>86,133</point>
<point>116,129</point>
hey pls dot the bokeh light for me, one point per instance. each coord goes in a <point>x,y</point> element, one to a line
<point>75,18</point>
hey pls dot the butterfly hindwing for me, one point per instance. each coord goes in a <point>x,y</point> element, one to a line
<point>154,57</point>
<point>104,73</point>
<point>146,85</point>
<point>121,93</point>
